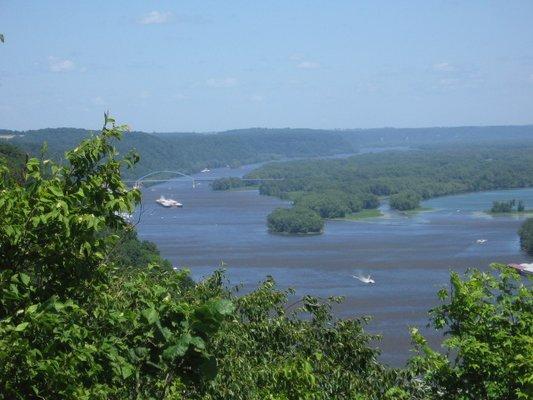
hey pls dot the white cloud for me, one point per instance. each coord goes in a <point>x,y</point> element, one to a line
<point>308,65</point>
<point>145,94</point>
<point>98,101</point>
<point>296,57</point>
<point>155,17</point>
<point>60,65</point>
<point>444,67</point>
<point>449,82</point>
<point>221,82</point>
<point>257,98</point>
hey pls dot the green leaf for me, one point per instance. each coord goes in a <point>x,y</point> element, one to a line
<point>151,315</point>
<point>174,351</point>
<point>21,327</point>
<point>25,279</point>
<point>56,191</point>
<point>126,370</point>
<point>31,309</point>
<point>198,343</point>
<point>224,307</point>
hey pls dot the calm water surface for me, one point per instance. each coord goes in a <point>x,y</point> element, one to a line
<point>408,256</point>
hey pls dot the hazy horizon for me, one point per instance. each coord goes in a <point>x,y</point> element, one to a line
<point>211,66</point>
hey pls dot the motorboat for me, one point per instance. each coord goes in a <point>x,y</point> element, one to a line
<point>168,202</point>
<point>523,269</point>
<point>206,170</point>
<point>364,279</point>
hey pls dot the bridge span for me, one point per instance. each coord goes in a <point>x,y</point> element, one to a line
<point>139,181</point>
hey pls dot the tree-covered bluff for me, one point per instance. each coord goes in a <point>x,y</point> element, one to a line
<point>192,152</point>
<point>84,317</point>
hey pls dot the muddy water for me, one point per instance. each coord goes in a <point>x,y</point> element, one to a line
<point>408,256</point>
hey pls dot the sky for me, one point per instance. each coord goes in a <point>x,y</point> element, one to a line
<point>216,65</point>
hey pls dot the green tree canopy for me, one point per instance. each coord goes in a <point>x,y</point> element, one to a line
<point>526,236</point>
<point>297,220</point>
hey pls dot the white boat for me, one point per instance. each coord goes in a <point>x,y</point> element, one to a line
<point>481,241</point>
<point>206,170</point>
<point>364,279</point>
<point>524,268</point>
<point>168,202</point>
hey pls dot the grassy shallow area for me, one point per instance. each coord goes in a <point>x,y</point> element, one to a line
<point>273,232</point>
<point>525,213</point>
<point>417,210</point>
<point>371,213</point>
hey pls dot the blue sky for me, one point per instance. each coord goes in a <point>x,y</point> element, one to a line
<point>215,65</point>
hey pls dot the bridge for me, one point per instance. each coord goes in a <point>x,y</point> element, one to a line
<point>139,181</point>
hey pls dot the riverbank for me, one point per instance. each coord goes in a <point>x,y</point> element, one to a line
<point>360,215</point>
<point>415,211</point>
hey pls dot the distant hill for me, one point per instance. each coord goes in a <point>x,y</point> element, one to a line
<point>190,152</point>
<point>439,135</point>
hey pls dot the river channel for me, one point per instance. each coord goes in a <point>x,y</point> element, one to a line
<point>408,256</point>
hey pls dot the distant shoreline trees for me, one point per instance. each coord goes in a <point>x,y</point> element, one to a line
<point>336,187</point>
<point>405,201</point>
<point>526,236</point>
<point>502,207</point>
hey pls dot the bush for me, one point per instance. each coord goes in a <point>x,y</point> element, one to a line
<point>72,323</point>
<point>295,220</point>
<point>488,322</point>
<point>276,349</point>
<point>404,201</point>
<point>328,205</point>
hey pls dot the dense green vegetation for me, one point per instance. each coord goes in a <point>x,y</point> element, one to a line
<point>404,201</point>
<point>189,152</point>
<point>296,220</point>
<point>499,207</point>
<point>488,325</point>
<point>73,323</point>
<point>130,251</point>
<point>310,209</point>
<point>526,236</point>
<point>78,321</point>
<point>334,187</point>
<point>231,183</point>
<point>13,158</point>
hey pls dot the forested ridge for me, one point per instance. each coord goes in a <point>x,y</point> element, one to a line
<point>336,187</point>
<point>192,152</point>
<point>89,312</point>
<point>189,152</point>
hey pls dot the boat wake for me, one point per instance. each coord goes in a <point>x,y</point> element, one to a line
<point>365,279</point>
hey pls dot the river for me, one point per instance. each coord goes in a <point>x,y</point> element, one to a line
<point>408,256</point>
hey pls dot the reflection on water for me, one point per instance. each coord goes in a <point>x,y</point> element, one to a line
<point>409,257</point>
